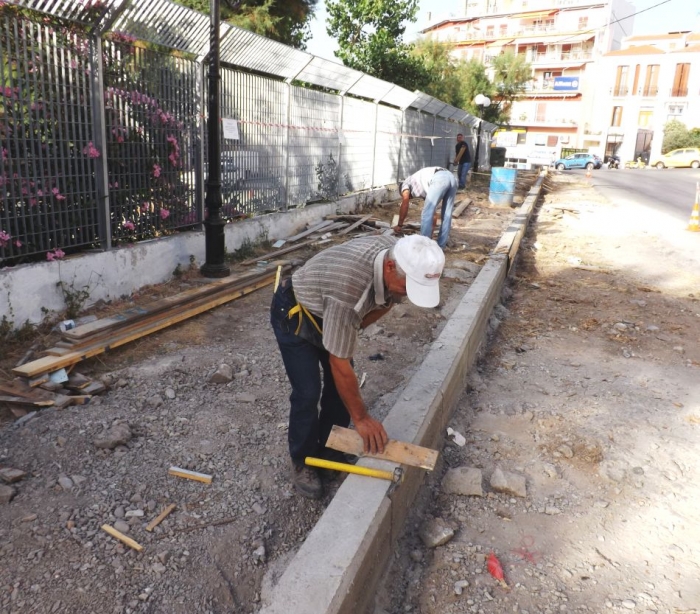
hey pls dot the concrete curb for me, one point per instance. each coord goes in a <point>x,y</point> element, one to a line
<point>338,567</point>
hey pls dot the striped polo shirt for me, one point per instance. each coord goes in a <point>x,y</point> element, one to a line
<point>342,284</point>
<point>418,183</point>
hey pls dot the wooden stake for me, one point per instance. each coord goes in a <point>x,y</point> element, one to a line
<point>162,516</point>
<point>122,538</point>
<point>350,442</point>
<point>190,475</point>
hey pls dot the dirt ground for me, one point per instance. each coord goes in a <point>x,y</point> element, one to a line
<point>210,555</point>
<point>589,391</point>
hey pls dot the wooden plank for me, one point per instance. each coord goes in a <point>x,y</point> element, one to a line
<point>459,209</point>
<point>56,351</point>
<point>352,227</point>
<point>122,538</point>
<point>190,475</point>
<point>19,388</point>
<point>51,363</point>
<point>350,442</point>
<point>278,252</point>
<point>311,230</point>
<point>160,518</point>
<point>159,306</point>
<point>25,402</point>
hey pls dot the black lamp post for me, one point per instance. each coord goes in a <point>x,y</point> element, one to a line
<point>482,102</point>
<point>215,240</point>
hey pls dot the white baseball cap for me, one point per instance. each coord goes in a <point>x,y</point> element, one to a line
<point>422,260</point>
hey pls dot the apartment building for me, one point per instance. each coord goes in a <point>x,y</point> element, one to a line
<point>561,39</point>
<point>649,81</point>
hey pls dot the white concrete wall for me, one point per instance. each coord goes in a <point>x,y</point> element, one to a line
<point>29,293</point>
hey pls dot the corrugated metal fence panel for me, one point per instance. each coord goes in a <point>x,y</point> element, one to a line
<point>151,121</point>
<point>252,168</point>
<point>313,146</point>
<point>48,195</point>
<point>386,160</point>
<point>416,148</point>
<point>443,151</point>
<point>357,145</point>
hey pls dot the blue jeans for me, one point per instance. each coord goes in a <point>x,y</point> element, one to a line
<point>442,188</point>
<point>303,361</point>
<point>462,171</point>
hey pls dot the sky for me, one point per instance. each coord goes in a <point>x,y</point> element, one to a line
<point>670,16</point>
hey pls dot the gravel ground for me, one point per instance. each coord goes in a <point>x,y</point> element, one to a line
<point>107,462</point>
<point>586,400</point>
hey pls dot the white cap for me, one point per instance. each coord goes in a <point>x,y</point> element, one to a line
<point>422,260</point>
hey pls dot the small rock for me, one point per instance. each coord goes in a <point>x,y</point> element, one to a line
<point>119,512</point>
<point>258,509</point>
<point>117,435</point>
<point>652,328</point>
<point>463,481</point>
<point>628,604</point>
<point>159,567</point>
<point>565,451</point>
<point>550,470</point>
<point>508,483</point>
<point>679,348</point>
<point>30,518</point>
<point>621,326</point>
<point>163,557</point>
<point>170,393</point>
<point>611,471</point>
<point>457,275</point>
<point>134,514</point>
<point>416,555</point>
<point>65,482</point>
<point>259,554</point>
<point>6,493</point>
<point>245,397</point>
<point>122,383</point>
<point>460,585</point>
<point>435,532</point>
<point>78,479</point>
<point>10,475</point>
<point>223,375</point>
<point>550,510</point>
<point>155,401</point>
<point>121,526</point>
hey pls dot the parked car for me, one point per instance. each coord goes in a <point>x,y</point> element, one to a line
<point>689,156</point>
<point>578,160</point>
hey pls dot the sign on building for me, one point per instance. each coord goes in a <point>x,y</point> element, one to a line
<point>566,84</point>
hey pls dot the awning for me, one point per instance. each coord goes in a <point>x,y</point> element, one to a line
<point>579,38</point>
<point>551,94</point>
<point>535,14</point>
<point>553,39</point>
<point>500,43</point>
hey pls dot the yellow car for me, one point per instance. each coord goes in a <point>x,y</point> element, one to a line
<point>690,156</point>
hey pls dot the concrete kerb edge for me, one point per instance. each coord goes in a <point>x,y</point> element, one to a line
<point>337,569</point>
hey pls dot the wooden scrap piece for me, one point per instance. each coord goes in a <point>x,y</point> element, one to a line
<point>305,233</point>
<point>190,475</point>
<point>459,209</point>
<point>352,227</point>
<point>350,442</point>
<point>278,252</point>
<point>162,516</point>
<point>122,538</point>
<point>25,402</point>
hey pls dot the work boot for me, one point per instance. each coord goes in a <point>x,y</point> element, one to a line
<point>306,481</point>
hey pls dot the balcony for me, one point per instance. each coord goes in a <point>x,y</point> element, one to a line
<point>620,91</point>
<point>679,92</point>
<point>649,92</point>
<point>567,56</point>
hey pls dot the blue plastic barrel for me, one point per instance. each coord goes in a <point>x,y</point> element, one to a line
<point>502,188</point>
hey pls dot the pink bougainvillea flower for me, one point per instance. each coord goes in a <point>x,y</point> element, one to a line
<point>129,225</point>
<point>4,238</point>
<point>56,254</point>
<point>145,207</point>
<point>156,170</point>
<point>164,214</point>
<point>91,151</point>
<point>39,192</point>
<point>18,243</point>
<point>4,153</point>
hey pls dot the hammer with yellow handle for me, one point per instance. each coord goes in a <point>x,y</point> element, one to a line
<point>393,476</point>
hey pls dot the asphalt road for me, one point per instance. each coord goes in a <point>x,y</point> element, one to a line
<point>671,191</point>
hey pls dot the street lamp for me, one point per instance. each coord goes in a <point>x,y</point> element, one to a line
<point>214,237</point>
<point>482,102</point>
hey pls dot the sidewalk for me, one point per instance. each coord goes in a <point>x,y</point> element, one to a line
<point>589,391</point>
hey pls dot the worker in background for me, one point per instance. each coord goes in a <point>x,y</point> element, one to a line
<point>436,185</point>
<point>316,315</point>
<point>462,161</point>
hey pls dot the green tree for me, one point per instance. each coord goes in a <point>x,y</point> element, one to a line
<point>511,74</point>
<point>370,39</point>
<point>444,79</point>
<point>473,81</point>
<point>286,21</point>
<point>676,135</point>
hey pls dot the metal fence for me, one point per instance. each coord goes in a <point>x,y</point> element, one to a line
<point>102,134</point>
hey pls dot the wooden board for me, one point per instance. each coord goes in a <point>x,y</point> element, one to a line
<point>158,519</point>
<point>25,402</point>
<point>305,233</point>
<point>355,225</point>
<point>276,253</point>
<point>350,442</point>
<point>138,313</point>
<point>190,475</point>
<point>459,209</point>
<point>122,538</point>
<point>47,364</point>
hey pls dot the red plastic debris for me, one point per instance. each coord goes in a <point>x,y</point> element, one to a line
<point>495,569</point>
